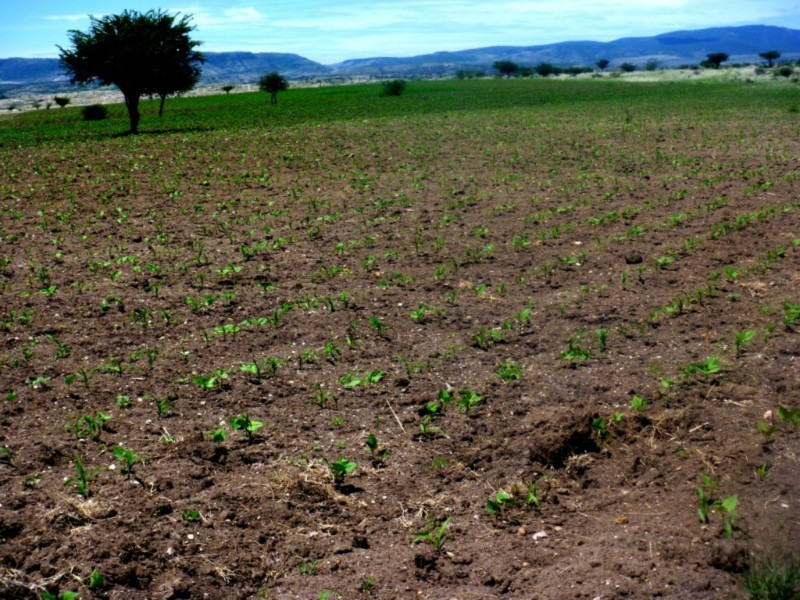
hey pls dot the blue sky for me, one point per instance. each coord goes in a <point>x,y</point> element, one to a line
<point>329,32</point>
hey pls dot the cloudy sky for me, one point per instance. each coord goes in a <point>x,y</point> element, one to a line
<point>329,32</point>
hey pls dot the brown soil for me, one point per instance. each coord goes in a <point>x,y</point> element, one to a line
<point>248,227</point>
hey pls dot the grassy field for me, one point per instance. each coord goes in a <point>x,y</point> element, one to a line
<point>496,338</point>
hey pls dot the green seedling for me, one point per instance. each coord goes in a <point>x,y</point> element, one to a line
<point>33,480</point>
<point>340,468</point>
<point>532,497</point>
<point>351,380</point>
<point>322,397</point>
<point>6,454</point>
<point>574,351</point>
<point>789,415</point>
<point>251,368</point>
<point>162,404</point>
<point>434,535</point>
<point>81,482</point>
<point>368,585</point>
<point>191,515</point>
<point>331,352</point>
<point>379,326</point>
<point>468,400</point>
<point>96,580</point>
<point>709,366</point>
<point>66,595</point>
<point>508,371</point>
<point>378,455</point>
<point>638,403</point>
<point>501,501</point>
<point>209,383</point>
<point>742,337</point>
<point>218,435</point>
<point>486,338</point>
<point>308,568</point>
<point>600,427</point>
<point>128,457</point>
<point>244,423</point>
<point>90,425</point>
<point>707,502</point>
<point>767,430</point>
<point>309,357</point>
<point>602,339</point>
<point>791,314</point>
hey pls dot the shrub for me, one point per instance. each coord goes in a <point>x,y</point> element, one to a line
<point>94,112</point>
<point>395,87</point>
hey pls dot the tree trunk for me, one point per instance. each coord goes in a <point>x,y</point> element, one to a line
<point>132,104</point>
<point>273,98</point>
<point>161,106</point>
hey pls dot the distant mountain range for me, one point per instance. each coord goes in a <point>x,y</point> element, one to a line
<point>743,44</point>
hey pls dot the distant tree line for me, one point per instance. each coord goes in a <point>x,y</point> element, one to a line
<point>509,68</point>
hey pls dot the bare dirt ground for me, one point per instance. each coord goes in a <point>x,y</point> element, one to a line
<point>549,312</point>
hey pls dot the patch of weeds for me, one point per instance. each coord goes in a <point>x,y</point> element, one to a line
<point>773,580</point>
<point>191,515</point>
<point>508,371</point>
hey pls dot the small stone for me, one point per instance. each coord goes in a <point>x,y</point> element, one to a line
<point>521,531</point>
<point>539,535</point>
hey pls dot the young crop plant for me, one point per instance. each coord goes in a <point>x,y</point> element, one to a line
<point>498,504</point>
<point>81,482</point>
<point>89,425</point>
<point>308,357</point>
<point>602,339</point>
<point>791,314</point>
<point>708,502</point>
<point>322,397</point>
<point>434,535</point>
<point>379,326</point>
<point>379,455</point>
<point>467,400</point>
<point>245,424</point>
<point>741,338</point>
<point>574,351</point>
<point>423,311</point>
<point>789,415</point>
<point>485,338</point>
<point>129,459</point>
<point>706,368</point>
<point>351,380</point>
<point>340,469</point>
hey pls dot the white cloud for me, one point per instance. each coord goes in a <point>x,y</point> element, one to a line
<point>239,15</point>
<point>68,18</point>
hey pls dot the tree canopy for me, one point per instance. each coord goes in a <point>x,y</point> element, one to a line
<point>141,53</point>
<point>505,67</point>
<point>273,83</point>
<point>715,59</point>
<point>770,56</point>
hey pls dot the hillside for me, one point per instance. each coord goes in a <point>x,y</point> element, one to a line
<point>671,49</point>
